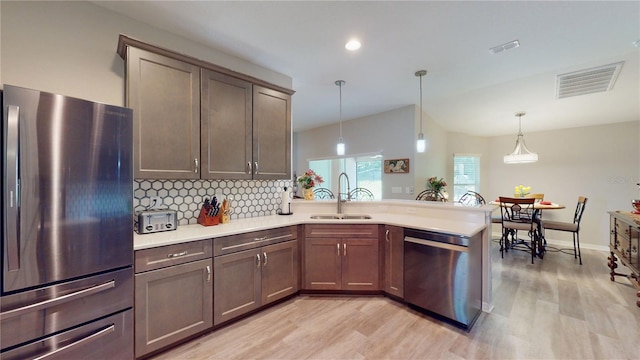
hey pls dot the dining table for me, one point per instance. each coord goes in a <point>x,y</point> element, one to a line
<point>538,206</point>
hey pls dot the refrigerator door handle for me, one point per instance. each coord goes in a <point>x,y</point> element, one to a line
<point>12,190</point>
<point>60,351</point>
<point>57,301</point>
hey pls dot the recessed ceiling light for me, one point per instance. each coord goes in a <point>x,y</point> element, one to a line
<point>352,45</point>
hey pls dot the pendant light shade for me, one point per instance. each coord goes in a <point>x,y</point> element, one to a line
<point>521,154</point>
<point>340,148</point>
<point>421,144</point>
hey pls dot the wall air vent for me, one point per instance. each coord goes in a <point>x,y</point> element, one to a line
<point>588,81</point>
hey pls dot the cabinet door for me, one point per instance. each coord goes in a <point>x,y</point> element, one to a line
<point>360,264</point>
<point>394,260</point>
<point>171,304</point>
<point>280,271</point>
<point>226,126</point>
<point>271,134</point>
<point>237,282</point>
<point>322,264</point>
<point>164,94</point>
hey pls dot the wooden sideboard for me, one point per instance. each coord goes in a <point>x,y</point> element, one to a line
<point>625,234</point>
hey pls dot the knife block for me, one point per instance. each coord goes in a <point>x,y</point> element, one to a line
<point>205,220</point>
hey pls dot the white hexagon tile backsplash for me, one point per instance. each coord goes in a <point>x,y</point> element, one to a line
<point>248,198</point>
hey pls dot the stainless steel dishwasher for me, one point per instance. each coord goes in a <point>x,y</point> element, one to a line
<point>443,275</point>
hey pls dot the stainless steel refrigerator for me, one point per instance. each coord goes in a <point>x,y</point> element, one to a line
<point>67,229</point>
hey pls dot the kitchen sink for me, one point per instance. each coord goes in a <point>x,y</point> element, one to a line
<point>340,217</point>
<point>360,217</point>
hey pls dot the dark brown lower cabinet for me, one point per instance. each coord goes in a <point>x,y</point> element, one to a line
<point>394,260</point>
<point>341,257</point>
<point>248,279</point>
<point>171,304</point>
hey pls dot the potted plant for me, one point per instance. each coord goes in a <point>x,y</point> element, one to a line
<point>308,180</point>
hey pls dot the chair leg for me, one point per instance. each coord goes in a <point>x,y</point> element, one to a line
<point>502,245</point>
<point>577,237</point>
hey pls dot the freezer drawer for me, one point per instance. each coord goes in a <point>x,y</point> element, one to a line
<point>108,338</point>
<point>36,313</point>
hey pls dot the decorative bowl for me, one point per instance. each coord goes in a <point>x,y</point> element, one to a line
<point>636,204</point>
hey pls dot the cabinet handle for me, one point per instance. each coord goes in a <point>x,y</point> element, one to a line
<point>196,162</point>
<point>260,238</point>
<point>208,273</point>
<point>249,168</point>
<point>338,246</point>
<point>264,254</point>
<point>386,235</point>
<point>184,253</point>
<point>257,260</point>
<point>344,247</point>
<point>255,168</point>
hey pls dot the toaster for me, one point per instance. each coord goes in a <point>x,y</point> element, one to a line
<point>151,221</point>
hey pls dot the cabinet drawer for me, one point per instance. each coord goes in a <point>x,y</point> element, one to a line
<point>347,230</point>
<point>622,230</point>
<point>234,243</point>
<point>163,256</point>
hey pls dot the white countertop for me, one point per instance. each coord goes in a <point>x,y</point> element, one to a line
<point>186,233</point>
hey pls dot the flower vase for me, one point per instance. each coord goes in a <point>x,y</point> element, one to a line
<point>308,194</point>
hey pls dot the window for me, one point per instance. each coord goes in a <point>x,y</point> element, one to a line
<point>466,174</point>
<point>364,171</point>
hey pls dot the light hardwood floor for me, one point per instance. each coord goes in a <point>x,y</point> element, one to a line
<point>553,309</point>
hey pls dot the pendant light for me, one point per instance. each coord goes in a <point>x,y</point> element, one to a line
<point>520,154</point>
<point>421,144</point>
<point>340,147</point>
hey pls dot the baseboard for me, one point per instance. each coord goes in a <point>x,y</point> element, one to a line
<point>563,243</point>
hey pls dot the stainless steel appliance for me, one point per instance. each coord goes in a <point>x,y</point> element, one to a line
<point>443,275</point>
<point>67,234</point>
<point>151,221</point>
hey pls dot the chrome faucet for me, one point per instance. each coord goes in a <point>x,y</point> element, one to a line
<point>340,201</point>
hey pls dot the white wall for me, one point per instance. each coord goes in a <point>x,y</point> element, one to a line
<point>599,162</point>
<point>431,162</point>
<point>69,47</point>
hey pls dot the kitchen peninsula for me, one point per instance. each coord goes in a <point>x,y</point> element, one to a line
<point>274,253</point>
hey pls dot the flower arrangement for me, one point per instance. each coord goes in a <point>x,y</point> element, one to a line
<point>433,183</point>
<point>309,179</point>
<point>522,191</point>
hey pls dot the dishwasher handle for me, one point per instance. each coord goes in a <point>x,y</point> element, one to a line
<point>436,244</point>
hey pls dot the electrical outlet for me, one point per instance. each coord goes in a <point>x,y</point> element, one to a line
<point>409,190</point>
<point>396,189</point>
<point>155,202</point>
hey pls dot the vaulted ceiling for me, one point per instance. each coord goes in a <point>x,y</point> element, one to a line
<point>467,89</point>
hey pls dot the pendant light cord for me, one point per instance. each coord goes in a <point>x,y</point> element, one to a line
<point>340,83</point>
<point>421,103</point>
<point>520,123</point>
<point>420,74</point>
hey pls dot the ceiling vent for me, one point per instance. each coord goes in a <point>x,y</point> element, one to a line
<point>588,81</point>
<point>507,46</point>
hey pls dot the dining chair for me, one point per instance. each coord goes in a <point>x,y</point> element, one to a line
<point>430,195</point>
<point>360,194</point>
<point>323,193</point>
<point>517,215</point>
<point>472,198</point>
<point>572,227</point>
<point>537,213</point>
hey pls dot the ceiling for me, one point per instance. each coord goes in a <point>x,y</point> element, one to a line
<point>466,89</point>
